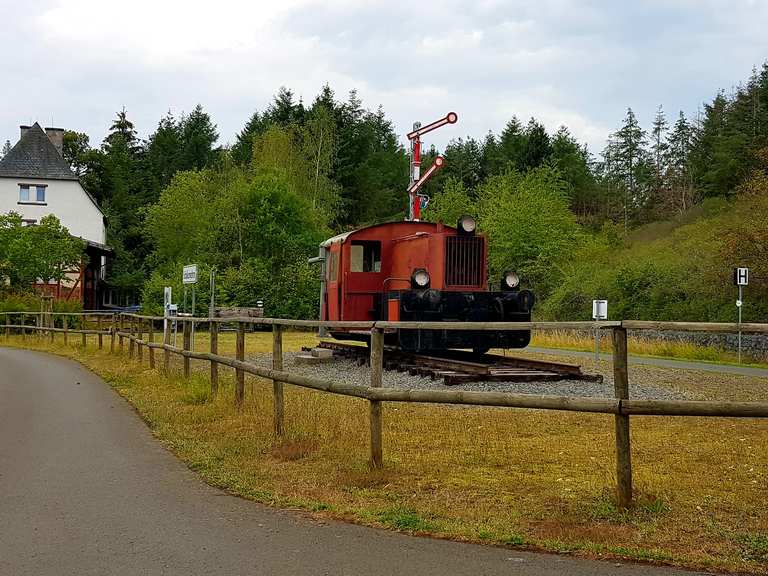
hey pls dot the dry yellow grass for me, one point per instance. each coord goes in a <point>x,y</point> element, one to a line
<point>515,477</point>
<point>569,340</point>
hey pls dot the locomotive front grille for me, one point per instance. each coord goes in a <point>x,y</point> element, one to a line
<point>463,260</point>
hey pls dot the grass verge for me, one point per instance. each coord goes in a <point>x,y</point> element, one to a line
<point>535,479</point>
<point>674,349</point>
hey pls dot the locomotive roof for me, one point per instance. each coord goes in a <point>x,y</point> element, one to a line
<point>342,237</point>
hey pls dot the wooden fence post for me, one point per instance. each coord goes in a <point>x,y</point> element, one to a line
<point>120,329</point>
<point>112,334</point>
<point>38,324</point>
<point>377,365</point>
<point>100,328</point>
<point>132,337</point>
<point>187,342</point>
<point>139,346</point>
<point>239,374</point>
<point>7,325</point>
<point>23,326</point>
<point>277,386</point>
<point>214,335</point>
<point>83,327</point>
<point>65,324</point>
<point>52,325</point>
<point>623,449</point>
<point>151,339</point>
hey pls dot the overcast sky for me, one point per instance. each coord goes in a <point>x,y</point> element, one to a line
<point>75,62</point>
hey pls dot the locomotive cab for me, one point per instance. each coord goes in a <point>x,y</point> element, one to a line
<point>420,271</point>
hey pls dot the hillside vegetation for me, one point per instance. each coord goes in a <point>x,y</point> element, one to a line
<point>654,224</point>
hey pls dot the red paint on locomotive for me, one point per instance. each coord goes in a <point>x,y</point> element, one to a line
<point>369,275</point>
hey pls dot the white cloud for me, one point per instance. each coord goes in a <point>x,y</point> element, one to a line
<point>562,61</point>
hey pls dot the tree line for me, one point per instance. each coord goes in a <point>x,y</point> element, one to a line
<point>297,173</point>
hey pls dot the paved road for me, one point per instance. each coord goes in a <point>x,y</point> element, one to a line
<point>86,490</point>
<point>661,362</point>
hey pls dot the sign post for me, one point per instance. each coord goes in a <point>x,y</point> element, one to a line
<point>740,279</point>
<point>189,276</point>
<point>167,299</point>
<point>599,312</point>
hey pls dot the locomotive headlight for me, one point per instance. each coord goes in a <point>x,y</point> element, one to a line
<point>467,224</point>
<point>510,280</point>
<point>420,278</point>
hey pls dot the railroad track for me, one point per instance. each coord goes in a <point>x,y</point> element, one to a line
<point>460,367</point>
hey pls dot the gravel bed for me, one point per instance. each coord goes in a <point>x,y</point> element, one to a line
<point>348,372</point>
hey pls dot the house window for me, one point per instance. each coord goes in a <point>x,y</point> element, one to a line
<point>26,222</point>
<point>32,193</point>
<point>365,256</point>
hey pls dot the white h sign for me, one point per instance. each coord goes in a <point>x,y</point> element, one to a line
<point>189,275</point>
<point>741,276</point>
<point>600,309</point>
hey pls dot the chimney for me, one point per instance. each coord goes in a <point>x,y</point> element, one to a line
<point>24,130</point>
<point>56,136</point>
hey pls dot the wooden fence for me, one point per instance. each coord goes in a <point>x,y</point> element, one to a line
<point>134,327</point>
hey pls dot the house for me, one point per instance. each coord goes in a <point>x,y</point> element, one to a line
<point>35,181</point>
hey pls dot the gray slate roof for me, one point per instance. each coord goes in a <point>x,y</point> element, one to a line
<point>35,156</point>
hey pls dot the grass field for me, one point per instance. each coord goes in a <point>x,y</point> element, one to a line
<point>644,347</point>
<point>527,478</point>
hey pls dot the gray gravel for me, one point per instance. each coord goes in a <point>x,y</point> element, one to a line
<point>348,372</point>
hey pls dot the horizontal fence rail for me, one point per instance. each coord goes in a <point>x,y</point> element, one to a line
<point>133,327</point>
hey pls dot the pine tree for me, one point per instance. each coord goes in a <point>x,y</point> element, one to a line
<point>630,163</point>
<point>659,145</point>
<point>242,151</point>
<point>198,135</point>
<point>6,149</point>
<point>680,179</point>
<point>164,153</point>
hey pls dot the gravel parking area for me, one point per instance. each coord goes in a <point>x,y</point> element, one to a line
<point>347,371</point>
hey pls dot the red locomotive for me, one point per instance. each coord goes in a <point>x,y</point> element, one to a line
<point>421,271</point>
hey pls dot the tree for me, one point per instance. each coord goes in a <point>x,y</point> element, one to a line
<point>164,150</point>
<point>75,149</point>
<point>242,150</point>
<point>528,225</point>
<point>659,146</point>
<point>6,149</point>
<point>450,204</point>
<point>198,135</point>
<point>45,251</point>
<point>630,164</point>
<point>682,192</point>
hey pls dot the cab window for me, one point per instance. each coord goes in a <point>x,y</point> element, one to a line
<point>365,256</point>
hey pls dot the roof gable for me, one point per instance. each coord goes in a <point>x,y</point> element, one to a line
<point>35,156</point>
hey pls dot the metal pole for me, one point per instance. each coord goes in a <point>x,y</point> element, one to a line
<point>741,304</point>
<point>597,344</point>
<point>212,287</point>
<point>193,315</point>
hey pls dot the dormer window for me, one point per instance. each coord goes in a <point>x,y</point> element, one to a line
<point>32,193</point>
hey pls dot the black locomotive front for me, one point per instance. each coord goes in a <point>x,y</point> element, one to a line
<point>430,305</point>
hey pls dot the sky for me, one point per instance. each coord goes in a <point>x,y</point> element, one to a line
<point>74,63</point>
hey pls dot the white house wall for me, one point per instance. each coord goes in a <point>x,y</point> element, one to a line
<point>66,199</point>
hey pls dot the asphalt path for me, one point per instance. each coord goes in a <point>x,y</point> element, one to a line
<point>661,362</point>
<point>85,489</point>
